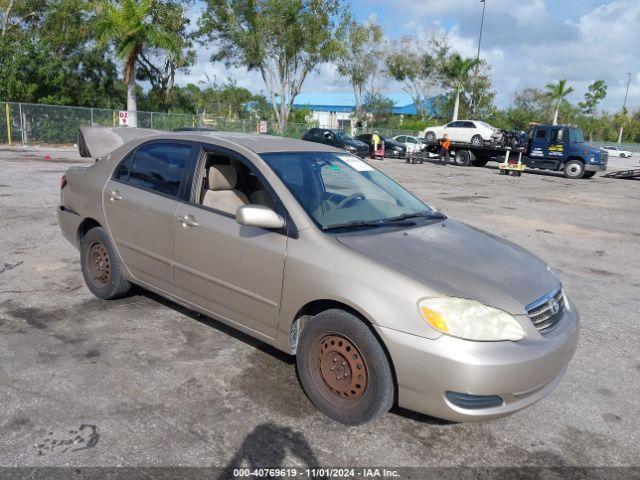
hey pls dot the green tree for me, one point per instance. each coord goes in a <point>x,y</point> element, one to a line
<point>595,94</point>
<point>379,107</point>
<point>457,72</point>
<point>360,59</point>
<point>557,93</point>
<point>419,67</point>
<point>284,40</point>
<point>42,62</point>
<point>159,66</point>
<point>129,25</point>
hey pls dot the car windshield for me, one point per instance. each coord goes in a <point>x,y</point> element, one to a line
<point>340,190</point>
<point>576,135</point>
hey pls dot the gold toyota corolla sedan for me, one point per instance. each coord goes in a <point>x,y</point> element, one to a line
<point>308,248</point>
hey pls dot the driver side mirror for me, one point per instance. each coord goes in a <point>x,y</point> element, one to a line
<point>259,216</point>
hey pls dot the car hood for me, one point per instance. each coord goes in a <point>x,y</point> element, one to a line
<point>455,259</point>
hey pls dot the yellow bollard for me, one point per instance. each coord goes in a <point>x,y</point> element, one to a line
<point>6,105</point>
<point>114,118</point>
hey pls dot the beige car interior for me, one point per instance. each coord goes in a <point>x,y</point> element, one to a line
<point>229,184</point>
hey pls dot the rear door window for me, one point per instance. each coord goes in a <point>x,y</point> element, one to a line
<point>160,167</point>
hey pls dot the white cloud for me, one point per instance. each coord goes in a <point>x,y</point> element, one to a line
<point>527,44</point>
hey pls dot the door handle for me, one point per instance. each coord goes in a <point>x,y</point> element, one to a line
<point>115,195</point>
<point>188,221</point>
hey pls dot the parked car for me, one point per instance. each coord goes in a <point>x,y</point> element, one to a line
<point>411,143</point>
<point>473,132</point>
<point>617,152</point>
<point>311,250</point>
<point>337,138</point>
<point>392,149</point>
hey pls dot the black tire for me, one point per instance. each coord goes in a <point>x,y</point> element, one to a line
<point>362,389</point>
<point>477,141</point>
<point>431,137</point>
<point>574,169</point>
<point>462,158</point>
<point>622,155</point>
<point>100,266</point>
<point>589,174</point>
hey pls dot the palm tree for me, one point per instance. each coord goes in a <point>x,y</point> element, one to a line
<point>457,70</point>
<point>556,92</point>
<point>129,25</point>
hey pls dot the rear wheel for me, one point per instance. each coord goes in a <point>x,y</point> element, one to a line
<point>100,267</point>
<point>476,141</point>
<point>574,169</point>
<point>343,369</point>
<point>431,137</point>
<point>462,158</point>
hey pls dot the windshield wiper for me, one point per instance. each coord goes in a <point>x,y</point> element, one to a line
<point>405,216</point>
<point>362,223</point>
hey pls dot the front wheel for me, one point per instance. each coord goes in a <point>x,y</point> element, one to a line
<point>343,369</point>
<point>589,174</point>
<point>431,137</point>
<point>574,169</point>
<point>100,267</point>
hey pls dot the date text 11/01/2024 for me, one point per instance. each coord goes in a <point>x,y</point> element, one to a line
<point>316,472</point>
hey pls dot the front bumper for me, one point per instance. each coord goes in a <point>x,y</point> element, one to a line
<point>591,167</point>
<point>521,373</point>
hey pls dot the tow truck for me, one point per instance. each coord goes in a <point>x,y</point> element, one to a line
<point>548,147</point>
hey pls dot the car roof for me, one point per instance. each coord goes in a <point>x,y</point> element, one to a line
<point>258,143</point>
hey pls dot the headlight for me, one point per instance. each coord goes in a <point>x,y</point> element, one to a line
<point>470,320</point>
<point>351,148</point>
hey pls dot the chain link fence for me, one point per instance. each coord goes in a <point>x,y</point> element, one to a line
<point>35,124</point>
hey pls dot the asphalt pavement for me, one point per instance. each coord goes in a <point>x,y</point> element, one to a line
<point>144,382</point>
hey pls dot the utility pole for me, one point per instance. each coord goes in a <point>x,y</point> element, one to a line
<point>475,100</point>
<point>624,106</point>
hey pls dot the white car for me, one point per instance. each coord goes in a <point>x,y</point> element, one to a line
<point>466,131</point>
<point>617,152</point>
<point>412,144</point>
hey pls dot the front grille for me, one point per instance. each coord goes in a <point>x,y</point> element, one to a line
<point>547,312</point>
<point>605,157</point>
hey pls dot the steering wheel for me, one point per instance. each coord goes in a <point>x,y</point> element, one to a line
<point>350,198</point>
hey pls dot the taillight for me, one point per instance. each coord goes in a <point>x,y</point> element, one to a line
<point>63,182</point>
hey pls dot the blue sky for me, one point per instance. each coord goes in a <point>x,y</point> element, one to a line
<point>528,43</point>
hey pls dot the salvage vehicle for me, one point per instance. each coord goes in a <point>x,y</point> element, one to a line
<point>337,138</point>
<point>473,132</point>
<point>548,147</point>
<point>392,149</point>
<point>411,144</point>
<point>381,298</point>
<point>617,151</point>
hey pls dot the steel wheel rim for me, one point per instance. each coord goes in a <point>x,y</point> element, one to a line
<point>575,169</point>
<point>99,264</point>
<point>342,368</point>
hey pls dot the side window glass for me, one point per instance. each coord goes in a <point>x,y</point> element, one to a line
<point>541,134</point>
<point>558,136</point>
<point>159,167</point>
<point>122,170</point>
